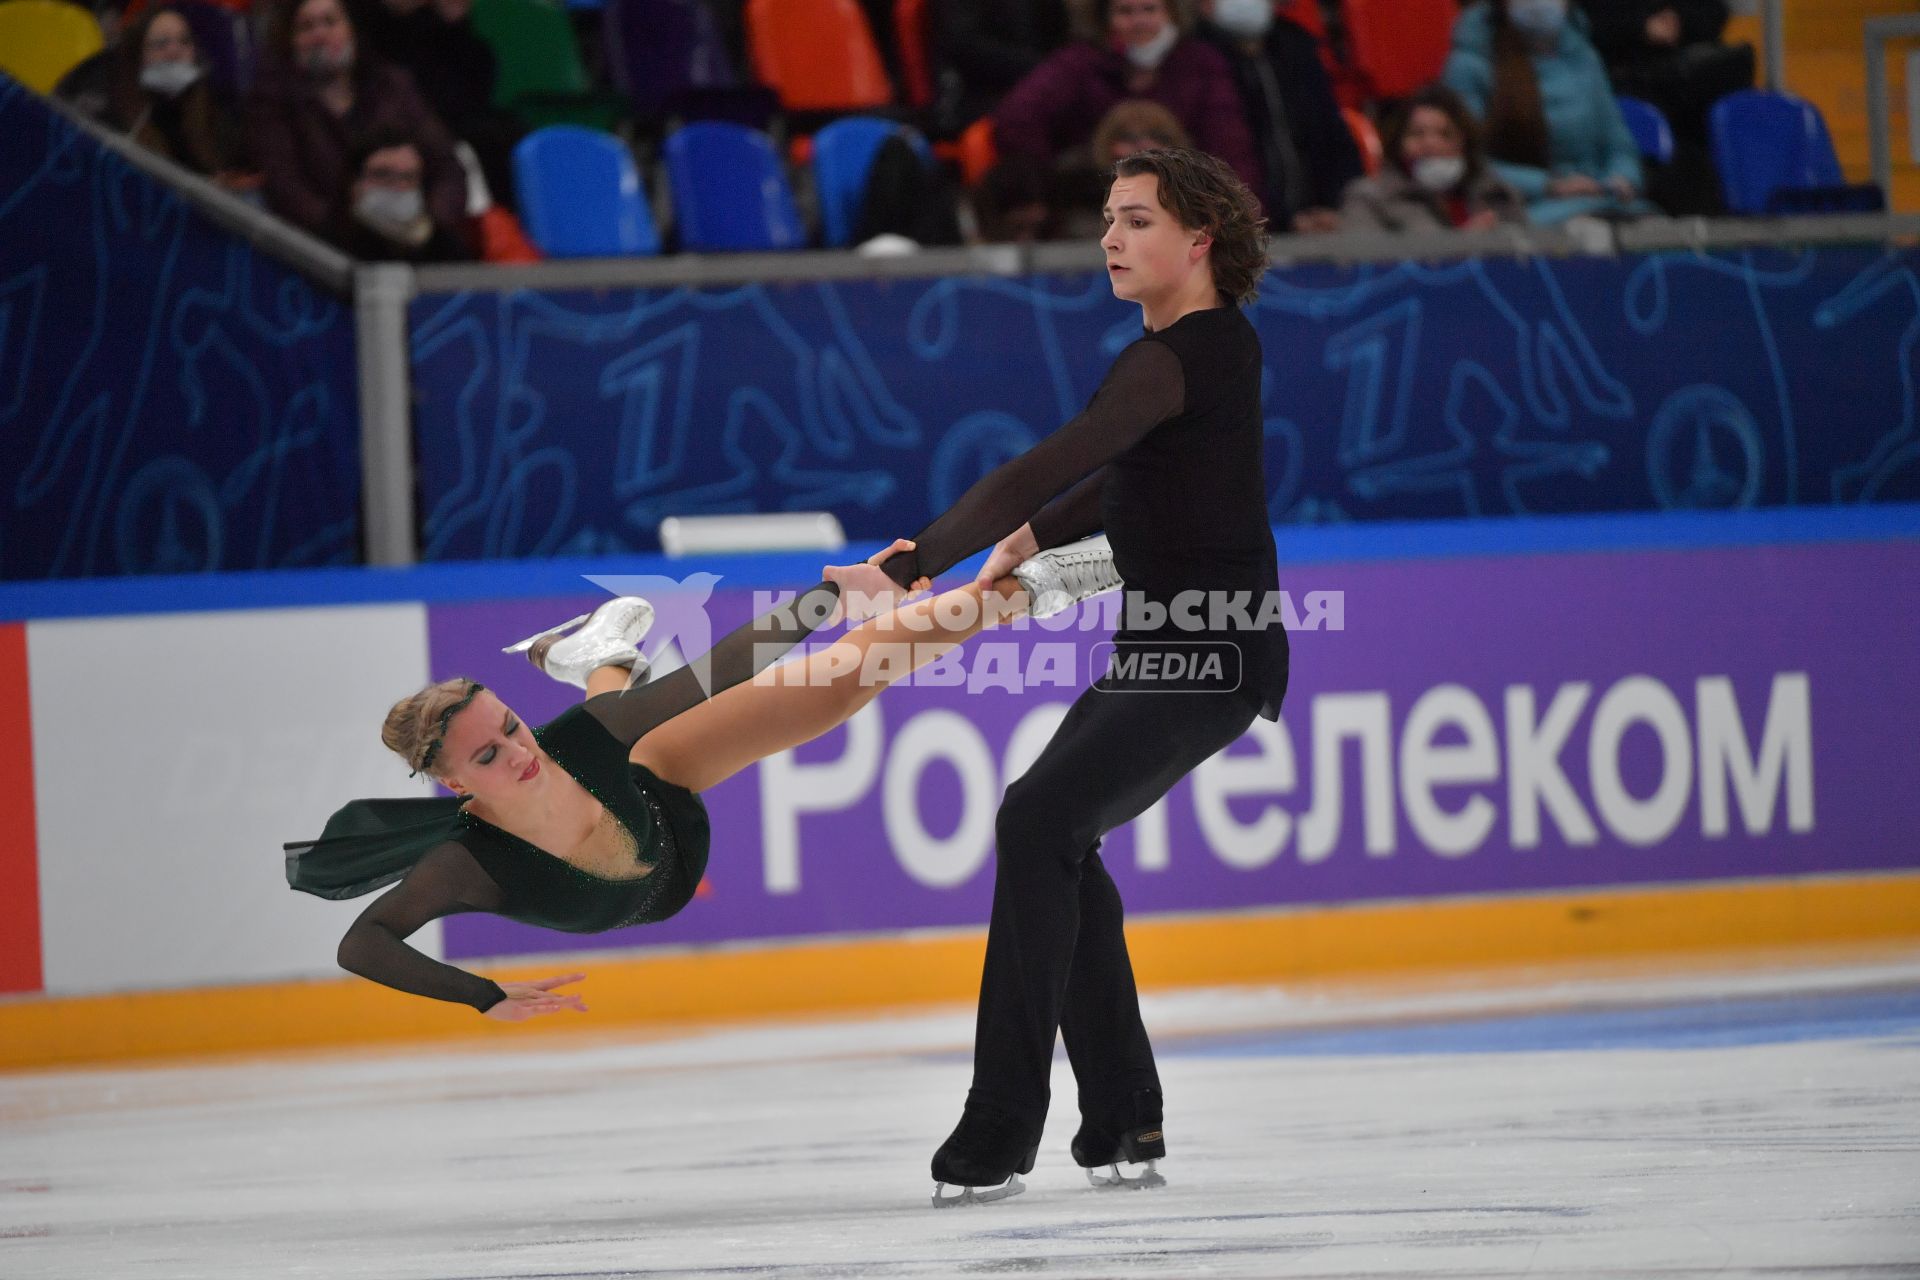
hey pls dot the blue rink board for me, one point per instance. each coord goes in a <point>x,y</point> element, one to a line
<point>1715,1024</point>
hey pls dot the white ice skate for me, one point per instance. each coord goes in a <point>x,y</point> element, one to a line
<point>1064,576</point>
<point>976,1195</point>
<point>1133,1177</point>
<point>610,637</point>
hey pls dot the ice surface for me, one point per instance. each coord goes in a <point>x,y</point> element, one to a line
<point>1760,1124</point>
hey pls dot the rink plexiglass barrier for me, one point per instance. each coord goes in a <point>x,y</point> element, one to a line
<point>1505,742</point>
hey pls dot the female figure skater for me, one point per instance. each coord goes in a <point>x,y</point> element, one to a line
<point>594,821</point>
<point>1167,459</point>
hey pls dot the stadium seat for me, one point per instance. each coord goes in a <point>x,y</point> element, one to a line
<point>42,40</point>
<point>843,155</point>
<point>1399,45</point>
<point>977,152</point>
<point>916,53</point>
<point>542,79</point>
<point>580,194</point>
<point>1650,130</point>
<point>658,51</point>
<point>729,191</point>
<point>818,55</point>
<point>1774,156</point>
<point>1366,137</point>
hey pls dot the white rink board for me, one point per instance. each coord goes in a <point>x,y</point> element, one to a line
<point>173,754</point>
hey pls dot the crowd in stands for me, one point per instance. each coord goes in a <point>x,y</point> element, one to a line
<point>380,125</point>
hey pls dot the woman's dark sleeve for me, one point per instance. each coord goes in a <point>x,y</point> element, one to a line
<point>1144,388</point>
<point>447,881</point>
<point>739,656</point>
<point>1073,515</point>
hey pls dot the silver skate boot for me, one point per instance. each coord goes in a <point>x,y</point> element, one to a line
<point>1064,576</point>
<point>610,637</point>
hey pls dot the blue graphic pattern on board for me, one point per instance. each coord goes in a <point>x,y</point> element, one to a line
<point>170,400</point>
<point>570,423</point>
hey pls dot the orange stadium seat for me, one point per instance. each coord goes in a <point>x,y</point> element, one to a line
<point>1366,137</point>
<point>818,55</point>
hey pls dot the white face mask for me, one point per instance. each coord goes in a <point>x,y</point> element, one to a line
<point>169,79</point>
<point>389,212</point>
<point>1248,19</point>
<point>1439,174</point>
<point>1541,19</point>
<point>1151,54</point>
<point>326,62</point>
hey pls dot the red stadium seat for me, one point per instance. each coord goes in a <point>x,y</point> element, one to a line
<point>1399,45</point>
<point>916,64</point>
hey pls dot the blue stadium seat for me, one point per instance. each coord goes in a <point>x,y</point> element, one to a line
<point>1774,155</point>
<point>729,190</point>
<point>843,156</point>
<point>580,195</point>
<point>1649,127</point>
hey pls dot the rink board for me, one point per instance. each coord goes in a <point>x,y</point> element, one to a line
<point>1630,735</point>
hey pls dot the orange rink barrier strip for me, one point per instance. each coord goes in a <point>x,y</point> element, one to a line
<point>1415,939</point>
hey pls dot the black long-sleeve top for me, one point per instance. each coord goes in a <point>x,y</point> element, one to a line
<point>1166,458</point>
<point>477,867</point>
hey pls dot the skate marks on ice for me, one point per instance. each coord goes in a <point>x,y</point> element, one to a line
<point>1749,1137</point>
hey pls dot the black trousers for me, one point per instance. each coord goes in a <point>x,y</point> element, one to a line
<point>1056,953</point>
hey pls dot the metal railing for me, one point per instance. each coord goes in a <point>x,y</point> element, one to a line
<point>1880,32</point>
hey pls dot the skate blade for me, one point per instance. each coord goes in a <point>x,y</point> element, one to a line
<point>521,646</point>
<point>977,1195</point>
<point>1114,1178</point>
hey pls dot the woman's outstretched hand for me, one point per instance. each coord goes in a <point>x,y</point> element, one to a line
<point>530,999</point>
<point>865,589</point>
<point>1014,550</point>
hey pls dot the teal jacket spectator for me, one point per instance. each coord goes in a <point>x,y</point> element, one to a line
<point>1553,129</point>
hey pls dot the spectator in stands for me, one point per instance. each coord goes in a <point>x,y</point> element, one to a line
<point>983,48</point>
<point>1552,127</point>
<point>1435,175</point>
<point>1011,204</point>
<point>1138,124</point>
<point>1146,54</point>
<point>1305,147</point>
<point>317,94</point>
<point>152,85</point>
<point>434,42</point>
<point>1669,53</point>
<point>387,205</point>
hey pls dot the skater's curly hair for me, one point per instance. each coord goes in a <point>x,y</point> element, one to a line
<point>1203,194</point>
<point>417,725</point>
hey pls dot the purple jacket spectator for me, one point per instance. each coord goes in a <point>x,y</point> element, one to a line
<point>1063,100</point>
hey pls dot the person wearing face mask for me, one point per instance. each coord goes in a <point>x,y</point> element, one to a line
<point>1552,127</point>
<point>387,209</point>
<point>1305,147</point>
<point>1435,176</point>
<point>157,93</point>
<point>317,94</point>
<point>1050,115</point>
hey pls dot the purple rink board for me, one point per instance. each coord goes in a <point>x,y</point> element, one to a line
<point>1844,614</point>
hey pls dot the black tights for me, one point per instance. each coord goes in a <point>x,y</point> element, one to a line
<point>1056,953</point>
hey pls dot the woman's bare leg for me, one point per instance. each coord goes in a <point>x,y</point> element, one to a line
<point>799,701</point>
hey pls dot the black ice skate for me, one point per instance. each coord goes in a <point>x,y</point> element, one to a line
<point>1129,1135</point>
<point>984,1159</point>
